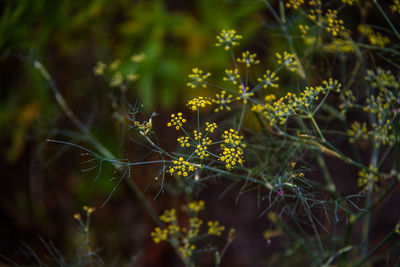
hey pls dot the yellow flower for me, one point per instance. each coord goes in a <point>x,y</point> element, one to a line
<point>169,216</point>
<point>223,101</point>
<point>181,167</point>
<point>269,79</point>
<point>159,234</point>
<point>248,59</point>
<point>232,75</point>
<point>176,120</point>
<point>287,59</point>
<point>214,228</point>
<point>228,39</point>
<point>198,102</point>
<point>196,206</point>
<point>198,78</point>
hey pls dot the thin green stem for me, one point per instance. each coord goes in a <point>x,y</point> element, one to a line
<point>241,117</point>
<point>103,150</point>
<point>379,246</point>
<point>387,18</point>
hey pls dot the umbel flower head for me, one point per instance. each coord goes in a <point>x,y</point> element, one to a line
<point>198,102</point>
<point>248,59</point>
<point>198,78</point>
<point>228,39</point>
<point>176,120</point>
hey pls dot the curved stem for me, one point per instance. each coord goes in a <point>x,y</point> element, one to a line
<point>103,150</point>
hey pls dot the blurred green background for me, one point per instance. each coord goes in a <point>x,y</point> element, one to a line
<point>43,184</point>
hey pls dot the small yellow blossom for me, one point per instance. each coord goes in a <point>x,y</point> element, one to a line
<point>214,228</point>
<point>270,98</point>
<point>201,148</point>
<point>232,152</point>
<point>169,216</point>
<point>196,206</point>
<point>334,24</point>
<point>228,39</point>
<point>248,59</point>
<point>222,101</point>
<point>288,60</point>
<point>295,4</point>
<point>367,177</point>
<point>195,224</point>
<point>181,167</point>
<point>159,234</point>
<point>187,250</point>
<point>245,93</point>
<point>198,78</point>
<point>374,38</point>
<point>184,141</point>
<point>198,102</point>
<point>304,30</point>
<point>232,75</point>
<point>210,127</point>
<point>269,79</point>
<point>176,120</point>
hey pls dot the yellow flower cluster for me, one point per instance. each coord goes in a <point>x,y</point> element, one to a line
<point>198,102</point>
<point>210,127</point>
<point>357,131</point>
<point>197,135</point>
<point>295,4</point>
<point>340,45</point>
<point>376,39</point>
<point>288,60</point>
<point>232,75</point>
<point>382,79</point>
<point>228,39</point>
<point>184,239</point>
<point>159,234</point>
<point>334,25</point>
<point>382,133</point>
<point>169,216</point>
<point>176,120</point>
<point>245,93</point>
<point>198,78</point>
<point>248,59</point>
<point>181,167</point>
<point>183,141</point>
<point>195,224</point>
<point>304,30</point>
<point>269,79</point>
<point>196,206</point>
<point>223,101</point>
<point>232,137</point>
<point>278,111</point>
<point>201,148</point>
<point>187,250</point>
<point>367,177</point>
<point>232,151</point>
<point>214,228</point>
